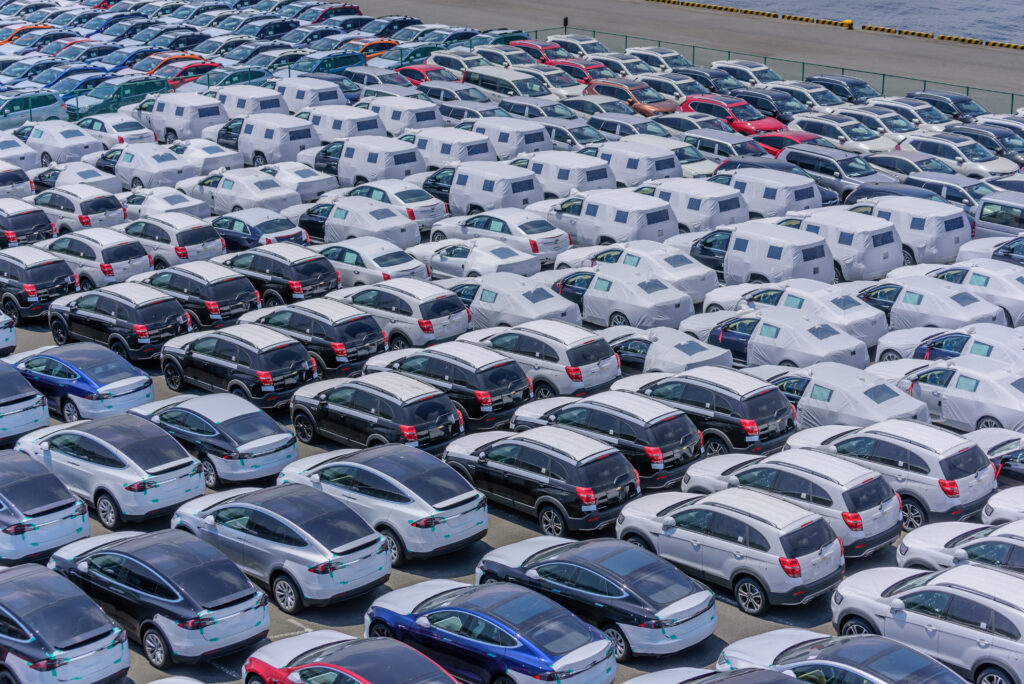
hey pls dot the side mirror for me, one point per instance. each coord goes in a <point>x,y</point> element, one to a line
<point>83,567</point>
<point>828,449</point>
<point>734,481</point>
<point>960,160</point>
<point>966,202</point>
<point>315,477</point>
<point>960,556</point>
<point>45,446</point>
<point>208,520</point>
<point>422,621</point>
<point>895,606</point>
<point>836,174</point>
<point>667,523</point>
<point>841,138</point>
<point>533,574</point>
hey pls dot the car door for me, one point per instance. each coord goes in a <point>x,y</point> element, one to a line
<point>882,297</point>
<point>710,249</point>
<point>930,387</point>
<point>364,417</point>
<point>734,336</point>
<point>69,463</point>
<point>138,589</point>
<point>724,547</point>
<point>230,533</point>
<point>101,582</point>
<point>199,361</point>
<point>683,542</point>
<point>920,622</point>
<point>633,354</point>
<point>336,412</point>
<point>270,542</point>
<point>492,472</point>
<point>82,316</point>
<point>574,287</point>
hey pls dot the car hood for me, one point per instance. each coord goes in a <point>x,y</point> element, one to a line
<point>75,549</point>
<point>513,555</point>
<point>403,601</point>
<point>872,582</point>
<point>279,653</point>
<point>814,438</point>
<point>716,465</point>
<point>762,650</point>
<point>537,408</point>
<point>194,507</point>
<point>937,535</point>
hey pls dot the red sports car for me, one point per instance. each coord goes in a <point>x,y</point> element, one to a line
<point>541,50</point>
<point>739,114</point>
<point>418,73</point>
<point>773,143</point>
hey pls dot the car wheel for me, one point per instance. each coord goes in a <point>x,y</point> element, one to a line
<point>117,346</point>
<point>474,210</point>
<point>155,647</point>
<point>286,595</point>
<point>172,376</point>
<point>236,208</point>
<point>359,180</point>
<point>637,540</point>
<point>758,279</point>
<point>543,390</point>
<point>750,596</point>
<point>908,257</point>
<point>159,264</point>
<point>787,363</point>
<point>59,331</point>
<point>855,626</point>
<point>210,476</point>
<point>305,428</point>
<point>606,241</point>
<point>619,642</point>
<point>398,342</point>
<point>618,319</point>
<point>395,548</point>
<point>993,675</point>
<point>474,274</point>
<point>240,391</point>
<point>106,511</point>
<point>170,136</point>
<point>10,308</point>
<point>136,184</point>
<point>889,355</point>
<point>254,679</point>
<point>259,159</point>
<point>438,236</point>
<point>45,159</point>
<point>272,298</point>
<point>988,422</point>
<point>380,629</point>
<point>552,522</point>
<point>489,578</point>
<point>715,446</point>
<point>913,514</point>
<point>712,308</point>
<point>69,411</point>
<point>85,285</point>
<point>503,679</point>
<point>837,274</point>
<point>7,678</point>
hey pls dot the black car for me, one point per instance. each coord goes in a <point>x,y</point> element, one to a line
<point>487,387</point>
<point>213,295</point>
<point>31,278</point>
<point>377,409</point>
<point>21,223</point>
<point>954,105</point>
<point>167,580</point>
<point>774,103</point>
<point>608,583</point>
<point>284,272</point>
<point>382,27</point>
<point>659,441</point>
<point>53,629</point>
<point>999,140</point>
<point>340,337</point>
<point>570,482</point>
<point>849,88</point>
<point>868,190</point>
<point>716,80</point>
<point>736,413</point>
<point>251,361</point>
<point>828,196</point>
<point>439,183</point>
<point>133,319</point>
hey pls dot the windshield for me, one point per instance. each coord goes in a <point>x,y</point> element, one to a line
<point>898,124</point>
<point>930,114</point>
<point>964,464</point>
<point>207,578</point>
<point>858,132</point>
<point>749,148</point>
<point>197,235</point>
<point>532,86</point>
<point>745,112</point>
<point>971,108</point>
<point>825,97</point>
<point>855,167</point>
<point>724,83</point>
<point>980,189</point>
<point>1012,142</point>
<point>558,110</point>
<point>587,135</point>
<point>975,152</point>
<point>653,128</point>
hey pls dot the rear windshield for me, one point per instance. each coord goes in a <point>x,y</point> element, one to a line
<point>230,289</point>
<point>501,377</point>
<point>535,227</point>
<point>35,492</point>
<point>275,225</point>
<point>147,445</point>
<point>251,426</point>
<point>413,195</point>
<point>537,295</point>
<point>808,539</point>
<point>881,393</point>
<point>544,623</point>
<point>100,205</point>
<point>522,185</point>
<point>314,268</point>
<point>393,259</point>
<point>286,358</point>
<point>405,158</point>
<point>331,525</point>
<point>300,134</point>
<point>357,329</point>
<point>47,607</point>
<point>729,204</point>
<point>13,177</point>
<point>605,470</point>
<point>882,239</point>
<point>106,371</point>
<point>123,252</point>
<point>208,579</point>
<point>383,213</point>
<point>161,313</point>
<point>590,352</point>
<point>813,253</point>
<point>868,495</point>
<point>430,411</point>
<point>27,221</point>
<point>672,431</point>
<point>963,464</point>
<point>964,298</point>
<point>768,404</point>
<point>823,331</point>
<point>197,236</point>
<point>445,305</point>
<point>432,481</point>
<point>845,302</point>
<point>204,112</point>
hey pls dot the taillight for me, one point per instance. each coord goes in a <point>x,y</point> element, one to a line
<point>586,495</point>
<point>140,330</point>
<point>574,373</point>
<point>48,664</point>
<point>196,623</point>
<point>469,316</point>
<point>749,426</point>
<point>84,220</point>
<point>432,521</point>
<point>636,478</point>
<point>339,349</point>
<point>385,276</point>
<point>996,469</point>
<point>188,320</point>
<point>259,299</point>
<point>793,406</point>
<point>32,185</point>
<point>429,276</point>
<point>140,486</point>
<point>853,521</point>
<point>124,212</point>
<point>426,326</point>
<point>295,286</point>
<point>842,548</point>
<point>337,279</point>
<point>107,269</point>
<point>483,396</point>
<point>53,228</point>
<point>121,139</point>
<point>19,528</point>
<point>11,237</point>
<point>213,307</point>
<point>223,244</point>
<point>950,488</point>
<point>264,378</point>
<point>700,433</point>
<point>155,139</point>
<point>181,252</point>
<point>654,455</point>
<point>618,362</point>
<point>974,227</point>
<point>447,210</point>
<point>384,334</point>
<point>408,432</point>
<point>78,282</point>
<point>790,566</point>
<point>30,290</point>
<point>462,420</point>
<point>150,256</point>
<point>411,213</point>
<point>529,382</point>
<point>312,362</point>
<point>533,246</point>
<point>326,568</point>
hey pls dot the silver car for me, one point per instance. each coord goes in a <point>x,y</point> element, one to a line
<point>145,201</point>
<point>423,208</point>
<point>58,141</point>
<point>124,466</point>
<point>365,260</point>
<point>963,153</point>
<point>420,505</point>
<point>100,256</point>
<point>173,238</point>
<point>227,191</point>
<point>509,299</point>
<point>474,257</point>
<point>308,547</point>
<point>295,176</point>
<point>73,207</point>
<point>943,545</point>
<point>142,165</point>
<point>206,156</point>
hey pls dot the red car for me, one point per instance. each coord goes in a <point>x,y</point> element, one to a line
<point>418,73</point>
<point>542,50</point>
<point>775,142</point>
<point>178,73</point>
<point>329,656</point>
<point>739,114</point>
<point>584,70</point>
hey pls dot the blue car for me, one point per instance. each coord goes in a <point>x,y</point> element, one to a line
<point>50,77</point>
<point>248,228</point>
<point>493,632</point>
<point>84,380</point>
<point>80,84</point>
<point>124,58</point>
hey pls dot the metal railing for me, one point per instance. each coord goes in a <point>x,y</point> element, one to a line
<point>887,84</point>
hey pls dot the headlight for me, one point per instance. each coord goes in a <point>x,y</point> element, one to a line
<point>723,660</point>
<point>902,550</point>
<point>988,510</point>
<point>837,598</point>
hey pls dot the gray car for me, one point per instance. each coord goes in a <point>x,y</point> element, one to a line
<point>837,170</point>
<point>173,237</point>
<point>662,350</point>
<point>145,201</point>
<point>100,256</point>
<point>943,545</point>
<point>902,163</point>
<point>308,547</point>
<point>473,257</point>
<point>234,190</point>
<point>364,260</point>
<point>963,153</point>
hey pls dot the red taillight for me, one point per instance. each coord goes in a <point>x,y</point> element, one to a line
<point>325,568</point>
<point>107,269</point>
<point>483,396</point>
<point>997,469</point>
<point>533,246</point>
<point>790,566</point>
<point>188,320</point>
<point>121,139</point>
<point>654,455</point>
<point>574,373</point>
<point>155,139</point>
<point>295,286</point>
<point>950,488</point>
<point>974,227</point>
<point>124,213</point>
<point>586,495</point>
<point>32,185</point>
<point>48,664</point>
<point>337,278</point>
<point>411,213</point>
<point>426,326</point>
<point>312,362</point>
<point>700,433</point>
<point>749,426</point>
<point>223,244</point>
<point>181,252</point>
<point>428,271</point>
<point>19,528</point>
<point>140,330</point>
<point>265,378</point>
<point>85,220</point>
<point>529,382</point>
<point>196,623</point>
<point>853,521</point>
<point>842,548</point>
<point>793,406</point>
<point>150,260</point>
<point>53,228</point>
<point>618,362</point>
<point>384,333</point>
<point>11,237</point>
<point>385,276</point>
<point>469,316</point>
<point>213,307</point>
<point>78,282</point>
<point>140,486</point>
<point>408,432</point>
<point>432,521</point>
<point>462,420</point>
<point>339,349</point>
<point>30,290</point>
<point>636,478</point>
<point>259,299</point>
<point>447,210</point>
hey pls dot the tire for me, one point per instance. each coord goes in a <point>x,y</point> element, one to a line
<point>712,308</point>
<point>908,257</point>
<point>474,274</point>
<point>7,678</point>
<point>359,181</point>
<point>155,648</point>
<point>45,159</point>
<point>988,422</point>
<point>489,578</point>
<point>715,446</point>
<point>856,626</point>
<point>85,284</point>
<point>503,679</point>
<point>837,274</point>
<point>473,210</point>
<point>543,390</point>
<point>993,675</point>
<point>398,342</point>
<point>10,308</point>
<point>210,476</point>
<point>272,298</point>
<point>170,136</point>
<point>259,159</point>
<point>438,236</point>
<point>637,540</point>
<point>552,522</point>
<point>236,208</point>
<point>59,331</point>
<point>395,547</point>
<point>254,679</point>
<point>375,441</point>
<point>106,511</point>
<point>240,391</point>
<point>683,229</point>
<point>758,279</point>
<point>606,241</point>
<point>750,596</point>
<point>787,363</point>
<point>619,642</point>
<point>159,264</point>
<point>136,184</point>
<point>379,629</point>
<point>286,594</point>
<point>913,513</point>
<point>173,376</point>
<point>119,348</point>
<point>889,355</point>
<point>618,319</point>
<point>305,427</point>
<point>69,411</point>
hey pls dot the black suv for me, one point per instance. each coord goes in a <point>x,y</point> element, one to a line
<point>569,481</point>
<point>213,295</point>
<point>22,223</point>
<point>486,386</point>
<point>252,361</point>
<point>736,413</point>
<point>659,440</point>
<point>338,336</point>
<point>284,272</point>
<point>31,278</point>
<point>133,319</point>
<point>377,409</point>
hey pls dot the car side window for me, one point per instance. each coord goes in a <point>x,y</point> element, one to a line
<point>10,629</point>
<point>266,527</point>
<point>575,415</point>
<point>92,451</point>
<point>373,485</point>
<point>927,602</point>
<point>695,521</point>
<point>969,613</point>
<point>108,565</point>
<point>142,579</point>
<point>593,583</point>
<point>990,552</point>
<point>857,447</point>
<point>758,478</point>
<point>728,528</point>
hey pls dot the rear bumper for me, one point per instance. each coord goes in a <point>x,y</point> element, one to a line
<point>868,545</point>
<point>764,446</point>
<point>361,589</point>
<point>960,512</point>
<point>806,593</point>
<point>596,520</point>
<point>217,652</point>
<point>448,548</point>
<point>491,421</point>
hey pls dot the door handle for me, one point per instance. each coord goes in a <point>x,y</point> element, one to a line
<point>737,554</point>
<point>930,629</point>
<point>984,643</point>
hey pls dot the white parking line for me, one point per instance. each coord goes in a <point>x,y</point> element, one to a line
<point>226,670</point>
<point>301,626</point>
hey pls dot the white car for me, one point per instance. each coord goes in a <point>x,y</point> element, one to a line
<point>308,183</point>
<point>142,165</point>
<point>474,257</point>
<point>159,200</point>
<point>228,191</point>
<point>520,229</point>
<point>206,156</point>
<point>8,335</point>
<point>998,282</point>
<point>422,207</point>
<point>116,129</point>
<point>1006,505</point>
<point>988,340</point>
<point>364,260</point>
<point>945,544</point>
<point>75,172</point>
<point>58,141</point>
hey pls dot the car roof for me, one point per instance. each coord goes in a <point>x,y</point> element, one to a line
<point>930,437</point>
<point>136,293</point>
<point>734,380</point>
<point>29,256</point>
<point>331,309</point>
<point>838,470</point>
<point>413,287</point>
<point>472,355</point>
<point>637,405</point>
<point>402,387</point>
<point>12,205</point>
<point>288,251</point>
<point>81,190</point>
<point>259,336</point>
<point>757,505</point>
<point>218,407</point>
<point>981,579</point>
<point>207,270</point>
<point>566,333</point>
<point>574,445</point>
